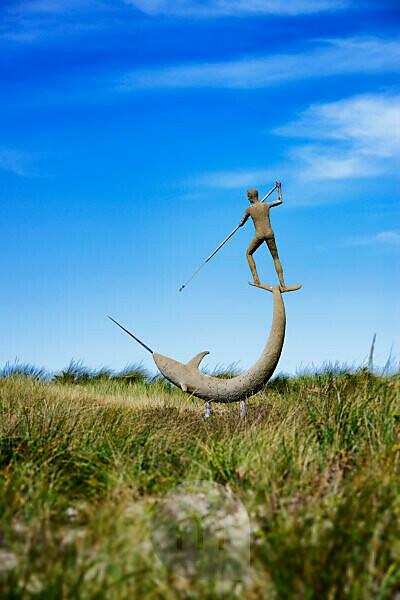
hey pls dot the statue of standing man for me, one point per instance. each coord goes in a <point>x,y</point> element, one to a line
<point>259,212</point>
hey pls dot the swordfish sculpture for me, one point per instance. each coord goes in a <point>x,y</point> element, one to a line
<point>188,377</point>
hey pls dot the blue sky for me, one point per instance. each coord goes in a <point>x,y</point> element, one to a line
<point>130,131</point>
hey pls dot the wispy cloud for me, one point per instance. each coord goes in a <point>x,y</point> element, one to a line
<point>53,6</point>
<point>388,237</point>
<point>31,20</point>
<point>358,137</point>
<point>314,162</point>
<point>223,8</point>
<point>232,179</point>
<point>13,161</point>
<point>330,57</point>
<point>369,122</point>
<point>383,237</point>
<point>354,137</point>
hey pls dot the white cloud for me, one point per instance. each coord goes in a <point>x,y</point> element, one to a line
<point>384,237</point>
<point>232,179</point>
<point>222,8</point>
<point>389,237</point>
<point>356,137</point>
<point>329,58</point>
<point>371,123</point>
<point>319,162</point>
<point>53,6</point>
<point>31,20</point>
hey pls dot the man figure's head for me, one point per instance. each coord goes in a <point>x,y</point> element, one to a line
<point>252,195</point>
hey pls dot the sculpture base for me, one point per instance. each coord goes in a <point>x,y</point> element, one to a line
<point>269,288</point>
<point>207,409</point>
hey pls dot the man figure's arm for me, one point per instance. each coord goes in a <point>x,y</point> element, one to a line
<point>245,217</point>
<point>276,203</point>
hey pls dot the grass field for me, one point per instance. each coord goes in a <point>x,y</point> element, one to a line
<point>86,461</point>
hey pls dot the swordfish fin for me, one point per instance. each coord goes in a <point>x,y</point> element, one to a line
<point>196,360</point>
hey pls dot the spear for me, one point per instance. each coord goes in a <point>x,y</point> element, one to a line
<point>228,237</point>
<point>132,336</point>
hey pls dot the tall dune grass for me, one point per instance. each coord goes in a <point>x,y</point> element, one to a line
<point>316,463</point>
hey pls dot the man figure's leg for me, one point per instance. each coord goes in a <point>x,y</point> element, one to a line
<point>254,244</point>
<point>274,253</point>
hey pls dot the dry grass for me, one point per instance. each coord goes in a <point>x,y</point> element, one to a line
<point>316,463</point>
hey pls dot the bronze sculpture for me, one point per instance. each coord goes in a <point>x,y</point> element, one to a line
<point>259,213</point>
<point>187,376</point>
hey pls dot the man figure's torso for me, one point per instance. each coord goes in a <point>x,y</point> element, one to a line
<point>259,212</point>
